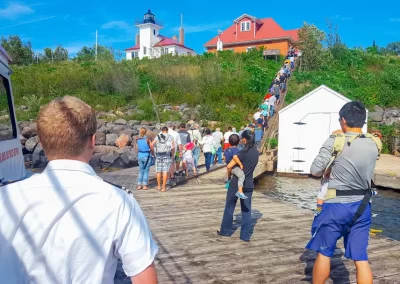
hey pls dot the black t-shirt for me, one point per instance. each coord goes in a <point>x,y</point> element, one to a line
<point>282,78</point>
<point>185,137</point>
<point>249,160</point>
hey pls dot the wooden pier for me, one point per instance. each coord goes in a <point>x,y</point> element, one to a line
<point>184,221</point>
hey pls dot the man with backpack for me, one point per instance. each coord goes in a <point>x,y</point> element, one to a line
<point>196,137</point>
<point>163,146</point>
<point>346,211</point>
<point>177,149</point>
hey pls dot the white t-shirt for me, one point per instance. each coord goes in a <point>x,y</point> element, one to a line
<point>281,72</point>
<point>257,115</point>
<point>272,101</point>
<point>68,226</point>
<point>207,142</point>
<point>227,135</point>
<point>291,58</point>
<point>217,139</point>
<point>177,137</point>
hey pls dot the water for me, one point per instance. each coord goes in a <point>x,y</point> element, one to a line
<point>303,192</point>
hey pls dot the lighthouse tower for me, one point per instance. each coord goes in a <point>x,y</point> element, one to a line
<point>149,30</point>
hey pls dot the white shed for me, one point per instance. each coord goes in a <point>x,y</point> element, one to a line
<point>305,125</point>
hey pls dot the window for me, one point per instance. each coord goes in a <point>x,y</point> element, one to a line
<point>166,50</point>
<point>8,129</point>
<point>250,48</point>
<point>135,54</point>
<point>144,50</point>
<point>245,26</point>
<point>154,32</point>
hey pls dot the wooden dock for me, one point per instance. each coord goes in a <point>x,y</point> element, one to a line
<point>184,221</point>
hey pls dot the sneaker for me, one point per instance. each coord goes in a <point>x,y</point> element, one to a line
<point>169,182</point>
<point>241,195</point>
<point>228,184</point>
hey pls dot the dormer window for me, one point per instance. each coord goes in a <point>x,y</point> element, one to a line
<point>245,26</point>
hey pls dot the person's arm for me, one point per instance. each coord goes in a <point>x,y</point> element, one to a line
<point>237,161</point>
<point>148,276</point>
<point>323,158</point>
<point>231,164</point>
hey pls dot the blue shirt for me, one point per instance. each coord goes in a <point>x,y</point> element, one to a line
<point>258,134</point>
<point>229,153</point>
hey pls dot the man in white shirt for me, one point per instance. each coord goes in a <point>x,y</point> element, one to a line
<point>226,137</point>
<point>272,103</point>
<point>67,225</point>
<point>218,138</point>
<point>177,155</point>
<point>257,114</point>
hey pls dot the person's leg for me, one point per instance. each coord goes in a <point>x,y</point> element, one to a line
<point>219,153</point>
<point>159,181</point>
<point>212,158</point>
<point>322,269</point>
<point>196,155</point>
<point>245,206</point>
<point>364,272</point>
<point>227,219</point>
<point>207,157</point>
<point>241,177</point>
<point>141,171</point>
<point>145,179</point>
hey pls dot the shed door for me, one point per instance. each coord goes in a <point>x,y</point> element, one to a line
<point>314,129</point>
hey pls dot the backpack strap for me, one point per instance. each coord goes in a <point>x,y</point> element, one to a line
<point>338,145</point>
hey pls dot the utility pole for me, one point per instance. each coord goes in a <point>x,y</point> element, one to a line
<point>96,48</point>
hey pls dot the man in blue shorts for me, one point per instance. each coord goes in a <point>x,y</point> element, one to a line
<point>349,187</point>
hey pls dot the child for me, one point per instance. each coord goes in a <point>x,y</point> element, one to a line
<point>188,160</point>
<point>231,154</point>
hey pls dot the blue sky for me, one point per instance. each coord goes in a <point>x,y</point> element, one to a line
<point>73,24</point>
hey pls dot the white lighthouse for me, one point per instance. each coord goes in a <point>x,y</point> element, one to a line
<point>151,44</point>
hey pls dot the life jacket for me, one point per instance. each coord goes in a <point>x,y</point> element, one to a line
<point>340,141</point>
<point>142,145</point>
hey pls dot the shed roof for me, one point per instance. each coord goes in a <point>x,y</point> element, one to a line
<point>322,87</point>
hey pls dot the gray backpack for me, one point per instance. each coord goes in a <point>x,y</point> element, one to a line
<point>163,146</point>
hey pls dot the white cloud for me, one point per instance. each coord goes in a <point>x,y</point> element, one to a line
<point>395,19</point>
<point>205,27</point>
<point>14,10</point>
<point>117,25</point>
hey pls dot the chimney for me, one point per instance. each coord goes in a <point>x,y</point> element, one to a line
<point>137,38</point>
<point>181,32</point>
<point>175,38</point>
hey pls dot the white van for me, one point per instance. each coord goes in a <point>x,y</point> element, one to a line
<point>12,166</point>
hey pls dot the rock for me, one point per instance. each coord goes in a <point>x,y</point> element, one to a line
<point>110,139</point>
<point>4,126</point>
<point>187,110</point>
<point>100,138</point>
<point>213,124</point>
<point>378,109</point>
<point>24,107</point>
<point>29,131</point>
<point>140,112</point>
<point>129,158</point>
<point>39,159</point>
<point>391,113</point>
<point>168,107</point>
<point>95,162</point>
<point>231,107</point>
<point>122,141</point>
<point>22,139</point>
<point>103,149</point>
<point>117,129</point>
<point>110,158</point>
<point>110,125</point>
<point>111,115</point>
<point>100,123</point>
<point>31,144</point>
<point>144,123</point>
<point>24,124</point>
<point>191,122</point>
<point>183,106</point>
<point>119,113</point>
<point>120,121</point>
<point>376,116</point>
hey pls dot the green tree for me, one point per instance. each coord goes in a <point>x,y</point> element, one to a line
<point>393,48</point>
<point>20,52</point>
<point>311,44</point>
<point>89,53</point>
<point>60,54</point>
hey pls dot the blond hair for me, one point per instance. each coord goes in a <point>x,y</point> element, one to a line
<point>64,127</point>
<point>142,132</point>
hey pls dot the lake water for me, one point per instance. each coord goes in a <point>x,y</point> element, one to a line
<point>303,192</point>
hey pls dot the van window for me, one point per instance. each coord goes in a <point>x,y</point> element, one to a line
<point>7,121</point>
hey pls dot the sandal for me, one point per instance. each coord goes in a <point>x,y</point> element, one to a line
<point>145,187</point>
<point>139,187</point>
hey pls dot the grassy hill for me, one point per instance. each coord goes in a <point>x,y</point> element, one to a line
<point>210,81</point>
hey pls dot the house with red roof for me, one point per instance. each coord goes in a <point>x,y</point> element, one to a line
<point>248,32</point>
<point>151,44</point>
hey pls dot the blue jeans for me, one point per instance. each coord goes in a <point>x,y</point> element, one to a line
<point>219,155</point>
<point>271,109</point>
<point>143,178</point>
<point>196,155</point>
<point>207,157</point>
<point>245,206</point>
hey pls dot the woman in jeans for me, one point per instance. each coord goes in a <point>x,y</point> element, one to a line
<point>249,158</point>
<point>144,159</point>
<point>208,143</point>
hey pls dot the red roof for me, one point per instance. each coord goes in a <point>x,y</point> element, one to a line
<point>165,41</point>
<point>133,48</point>
<point>268,30</point>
